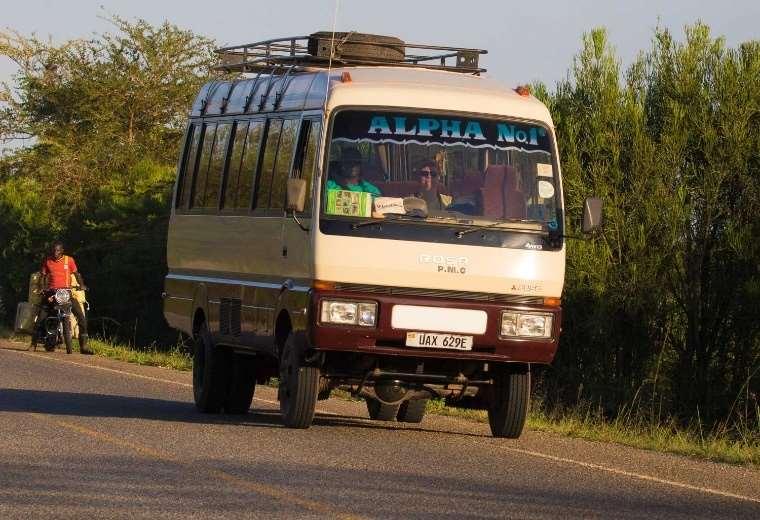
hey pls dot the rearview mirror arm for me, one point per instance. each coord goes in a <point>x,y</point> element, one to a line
<point>300,224</point>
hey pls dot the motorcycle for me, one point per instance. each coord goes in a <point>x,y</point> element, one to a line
<point>56,328</point>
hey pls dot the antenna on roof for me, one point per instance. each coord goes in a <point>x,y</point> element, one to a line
<point>332,46</point>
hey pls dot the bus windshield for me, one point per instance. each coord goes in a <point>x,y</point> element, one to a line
<point>440,168</point>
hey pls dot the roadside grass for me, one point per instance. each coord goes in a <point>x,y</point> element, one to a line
<point>176,358</point>
<point>737,444</point>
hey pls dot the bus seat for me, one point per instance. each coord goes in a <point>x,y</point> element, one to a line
<point>493,191</point>
<point>473,177</point>
<point>469,183</point>
<point>514,199</point>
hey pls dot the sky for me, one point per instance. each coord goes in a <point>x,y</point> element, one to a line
<point>526,41</point>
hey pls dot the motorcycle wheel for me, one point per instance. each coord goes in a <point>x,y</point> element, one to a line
<point>67,335</point>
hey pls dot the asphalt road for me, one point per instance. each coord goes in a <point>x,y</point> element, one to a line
<point>92,437</point>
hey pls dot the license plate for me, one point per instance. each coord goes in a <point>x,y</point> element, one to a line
<point>431,340</point>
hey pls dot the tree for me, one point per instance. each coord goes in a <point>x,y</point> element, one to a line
<point>103,119</point>
<point>703,105</point>
<point>661,303</point>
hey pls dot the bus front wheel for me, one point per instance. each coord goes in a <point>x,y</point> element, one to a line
<point>299,386</point>
<point>510,396</point>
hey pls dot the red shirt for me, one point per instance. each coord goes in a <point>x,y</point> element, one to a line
<point>59,272</point>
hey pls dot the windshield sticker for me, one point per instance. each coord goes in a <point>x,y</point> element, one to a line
<point>349,203</point>
<point>386,205</point>
<point>545,189</point>
<point>356,126</point>
<point>544,170</point>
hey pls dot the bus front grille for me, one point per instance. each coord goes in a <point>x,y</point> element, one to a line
<point>436,293</point>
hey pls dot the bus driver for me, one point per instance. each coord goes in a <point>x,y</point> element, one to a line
<point>429,187</point>
<point>349,175</point>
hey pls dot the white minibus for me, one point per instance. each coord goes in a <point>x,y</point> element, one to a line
<point>352,211</point>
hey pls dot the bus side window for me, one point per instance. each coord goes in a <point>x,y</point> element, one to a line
<point>199,183</point>
<point>187,170</point>
<point>232,180</point>
<point>282,165</point>
<point>249,165</point>
<point>216,166</point>
<point>303,167</point>
<point>264,184</point>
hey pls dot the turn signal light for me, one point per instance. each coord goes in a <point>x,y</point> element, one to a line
<point>552,302</point>
<point>323,285</point>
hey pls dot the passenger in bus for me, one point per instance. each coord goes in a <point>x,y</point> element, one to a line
<point>334,174</point>
<point>427,176</point>
<point>347,175</point>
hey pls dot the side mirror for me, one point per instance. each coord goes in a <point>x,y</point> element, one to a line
<point>296,195</point>
<point>592,214</point>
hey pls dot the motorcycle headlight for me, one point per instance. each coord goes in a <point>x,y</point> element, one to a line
<point>363,314</point>
<point>62,296</point>
<point>526,325</point>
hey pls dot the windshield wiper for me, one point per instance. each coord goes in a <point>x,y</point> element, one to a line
<point>389,218</point>
<point>506,224</point>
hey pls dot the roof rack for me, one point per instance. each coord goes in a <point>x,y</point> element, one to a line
<point>347,49</point>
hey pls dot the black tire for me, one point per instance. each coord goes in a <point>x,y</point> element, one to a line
<point>510,398</point>
<point>373,47</point>
<point>210,373</point>
<point>299,386</point>
<point>67,335</point>
<point>412,411</point>
<point>242,385</point>
<point>380,411</point>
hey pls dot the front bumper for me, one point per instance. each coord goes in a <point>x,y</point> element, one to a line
<point>384,340</point>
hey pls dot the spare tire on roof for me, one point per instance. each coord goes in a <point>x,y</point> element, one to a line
<point>357,46</point>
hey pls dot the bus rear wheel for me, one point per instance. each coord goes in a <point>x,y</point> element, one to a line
<point>242,385</point>
<point>380,411</point>
<point>210,371</point>
<point>299,386</point>
<point>412,411</point>
<point>510,396</point>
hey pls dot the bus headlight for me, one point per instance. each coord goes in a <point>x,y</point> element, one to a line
<point>526,325</point>
<point>342,312</point>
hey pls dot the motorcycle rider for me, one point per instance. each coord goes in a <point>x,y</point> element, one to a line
<point>56,270</point>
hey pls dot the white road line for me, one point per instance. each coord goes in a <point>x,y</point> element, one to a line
<point>537,454</point>
<point>631,474</point>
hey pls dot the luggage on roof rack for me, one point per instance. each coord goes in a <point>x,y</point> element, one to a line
<point>322,49</point>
